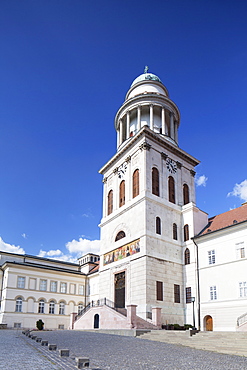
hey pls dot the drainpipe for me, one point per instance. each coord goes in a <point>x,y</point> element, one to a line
<point>198,286</point>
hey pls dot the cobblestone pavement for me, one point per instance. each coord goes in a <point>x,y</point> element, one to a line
<point>112,352</point>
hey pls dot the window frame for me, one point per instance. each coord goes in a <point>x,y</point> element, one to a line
<point>121,193</point>
<point>52,285</point>
<point>62,308</point>
<point>188,294</point>
<point>135,183</point>
<point>110,202</point>
<point>159,290</point>
<point>155,182</point>
<point>52,307</point>
<point>21,282</point>
<point>174,231</point>
<point>213,293</point>
<point>186,233</point>
<point>41,306</point>
<point>187,256</point>
<point>43,285</point>
<point>62,286</point>
<point>158,225</point>
<point>176,293</point>
<point>18,304</point>
<point>186,194</point>
<point>171,190</point>
<point>211,257</point>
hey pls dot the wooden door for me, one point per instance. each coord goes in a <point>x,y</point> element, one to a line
<point>120,290</point>
<point>209,323</point>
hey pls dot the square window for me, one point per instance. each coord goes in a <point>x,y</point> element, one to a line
<point>21,282</point>
<point>43,285</point>
<point>63,287</point>
<point>81,289</point>
<point>54,286</point>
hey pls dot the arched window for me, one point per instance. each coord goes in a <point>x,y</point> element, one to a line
<point>110,202</point>
<point>171,189</point>
<point>122,193</point>
<point>155,182</point>
<point>120,235</point>
<point>186,194</point>
<point>62,308</point>
<point>52,307</point>
<point>158,225</point>
<point>186,232</point>
<point>187,256</point>
<point>41,308</point>
<point>18,304</point>
<point>175,231</point>
<point>80,308</point>
<point>135,183</point>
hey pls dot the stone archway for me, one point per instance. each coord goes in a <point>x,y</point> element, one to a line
<point>208,323</point>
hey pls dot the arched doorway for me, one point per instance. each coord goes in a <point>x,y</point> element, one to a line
<point>208,323</point>
<point>96,321</point>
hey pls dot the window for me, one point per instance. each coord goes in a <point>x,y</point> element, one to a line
<point>213,293</point>
<point>18,304</point>
<point>186,194</point>
<point>135,183</point>
<point>155,182</point>
<point>80,308</point>
<point>159,290</point>
<point>187,256</point>
<point>122,193</point>
<point>158,226</point>
<point>81,289</point>
<point>43,284</point>
<point>240,250</point>
<point>110,202</point>
<point>176,293</point>
<point>186,232</point>
<point>54,286</point>
<point>17,325</point>
<point>61,308</point>
<point>211,257</point>
<point>188,294</point>
<point>175,231</point>
<point>243,289</point>
<point>52,307</point>
<point>41,308</point>
<point>72,289</point>
<point>21,282</point>
<point>120,235</point>
<point>171,189</point>
<point>63,287</point>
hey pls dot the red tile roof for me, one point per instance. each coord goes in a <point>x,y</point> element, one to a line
<point>95,268</point>
<point>225,219</point>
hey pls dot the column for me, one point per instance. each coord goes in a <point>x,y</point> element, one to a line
<point>172,125</point>
<point>128,125</point>
<point>131,315</point>
<point>176,131</point>
<point>118,138</point>
<point>120,132</point>
<point>151,110</point>
<point>163,121</point>
<point>138,118</point>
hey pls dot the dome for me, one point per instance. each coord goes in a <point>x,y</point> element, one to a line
<point>146,77</point>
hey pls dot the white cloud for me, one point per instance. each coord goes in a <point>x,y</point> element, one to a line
<point>50,253</point>
<point>83,246</point>
<point>24,235</point>
<point>239,190</point>
<point>10,247</point>
<point>201,180</point>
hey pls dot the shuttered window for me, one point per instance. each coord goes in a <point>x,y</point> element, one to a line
<point>155,182</point>
<point>176,293</point>
<point>135,183</point>
<point>122,193</point>
<point>186,194</point>
<point>159,290</point>
<point>110,202</point>
<point>171,189</point>
<point>186,232</point>
<point>187,256</point>
<point>175,231</point>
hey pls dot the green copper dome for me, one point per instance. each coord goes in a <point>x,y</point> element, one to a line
<point>145,77</point>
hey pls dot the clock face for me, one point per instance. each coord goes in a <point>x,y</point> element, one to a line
<point>121,170</point>
<point>171,165</point>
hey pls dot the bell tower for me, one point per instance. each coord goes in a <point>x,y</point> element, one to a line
<point>149,211</point>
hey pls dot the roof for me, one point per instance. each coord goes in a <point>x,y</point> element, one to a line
<point>146,77</point>
<point>226,219</point>
<point>95,268</point>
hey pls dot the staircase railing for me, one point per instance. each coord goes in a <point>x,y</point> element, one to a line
<point>242,319</point>
<point>102,302</point>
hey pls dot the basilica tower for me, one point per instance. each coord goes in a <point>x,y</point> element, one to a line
<point>149,211</point>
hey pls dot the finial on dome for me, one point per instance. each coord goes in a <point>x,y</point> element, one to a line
<point>146,69</point>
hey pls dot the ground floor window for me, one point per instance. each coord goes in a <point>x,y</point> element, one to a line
<point>18,305</point>
<point>61,308</point>
<point>41,306</point>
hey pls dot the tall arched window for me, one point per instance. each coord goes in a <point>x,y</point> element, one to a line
<point>175,231</point>
<point>52,307</point>
<point>122,193</point>
<point>41,308</point>
<point>158,225</point>
<point>18,304</point>
<point>171,189</point>
<point>186,194</point>
<point>155,181</point>
<point>62,308</point>
<point>186,232</point>
<point>135,183</point>
<point>187,256</point>
<point>110,202</point>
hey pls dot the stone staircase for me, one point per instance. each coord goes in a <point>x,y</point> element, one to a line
<point>233,343</point>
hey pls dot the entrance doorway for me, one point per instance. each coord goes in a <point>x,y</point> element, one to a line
<point>208,323</point>
<point>96,321</point>
<point>120,290</point>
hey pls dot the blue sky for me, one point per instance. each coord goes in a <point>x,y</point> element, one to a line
<point>65,68</point>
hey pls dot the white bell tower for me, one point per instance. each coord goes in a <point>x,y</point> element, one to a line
<point>149,212</point>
